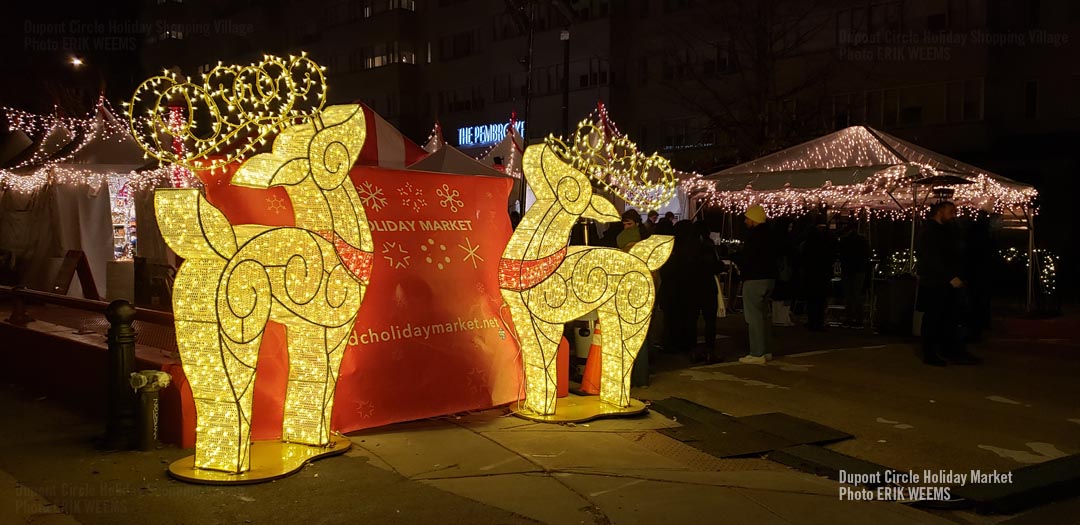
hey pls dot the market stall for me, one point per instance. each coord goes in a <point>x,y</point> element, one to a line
<point>863,171</point>
<point>71,190</point>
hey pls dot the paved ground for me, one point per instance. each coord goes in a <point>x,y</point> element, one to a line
<point>479,468</point>
<point>1018,408</point>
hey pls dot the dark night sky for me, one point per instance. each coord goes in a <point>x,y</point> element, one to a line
<point>38,72</point>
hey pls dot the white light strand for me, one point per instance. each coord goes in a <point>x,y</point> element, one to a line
<point>870,197</point>
<point>81,130</point>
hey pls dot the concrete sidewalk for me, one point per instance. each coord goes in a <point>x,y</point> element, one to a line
<point>480,468</point>
<point>608,471</point>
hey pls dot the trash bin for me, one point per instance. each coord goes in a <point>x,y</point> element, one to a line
<point>148,383</point>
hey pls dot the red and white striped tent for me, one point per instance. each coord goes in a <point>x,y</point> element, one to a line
<point>385,146</point>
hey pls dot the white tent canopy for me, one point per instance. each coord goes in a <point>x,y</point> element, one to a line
<point>861,168</point>
<point>58,199</point>
<point>14,144</point>
<point>857,167</point>
<point>448,159</point>
<point>508,151</point>
<point>107,151</point>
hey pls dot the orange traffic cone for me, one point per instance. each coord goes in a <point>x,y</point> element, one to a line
<point>590,381</point>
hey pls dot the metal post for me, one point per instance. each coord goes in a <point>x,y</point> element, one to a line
<point>1030,303</point>
<point>18,310</point>
<point>120,426</point>
<point>914,221</point>
<point>564,35</point>
<point>527,117</point>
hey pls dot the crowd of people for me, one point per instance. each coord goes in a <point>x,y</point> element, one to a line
<point>781,261</point>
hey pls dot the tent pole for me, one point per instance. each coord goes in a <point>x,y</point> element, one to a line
<point>869,230</point>
<point>914,219</point>
<point>1031,261</point>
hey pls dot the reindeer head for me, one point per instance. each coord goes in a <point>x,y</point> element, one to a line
<point>555,182</point>
<point>564,173</point>
<point>324,148</point>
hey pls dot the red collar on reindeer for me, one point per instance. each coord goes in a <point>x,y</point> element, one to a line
<point>517,275</point>
<point>357,261</point>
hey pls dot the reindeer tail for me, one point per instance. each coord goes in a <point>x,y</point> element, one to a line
<point>654,250</point>
<point>193,227</point>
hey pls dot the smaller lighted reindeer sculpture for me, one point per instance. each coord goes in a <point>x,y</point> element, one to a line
<point>236,278</point>
<point>547,283</point>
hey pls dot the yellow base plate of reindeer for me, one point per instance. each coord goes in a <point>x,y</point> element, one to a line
<point>270,460</point>
<point>578,409</point>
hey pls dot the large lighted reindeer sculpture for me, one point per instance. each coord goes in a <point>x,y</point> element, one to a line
<point>235,279</point>
<point>547,283</point>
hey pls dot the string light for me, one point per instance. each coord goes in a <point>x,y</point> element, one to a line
<point>547,283</point>
<point>311,277</point>
<point>241,105</point>
<point>510,164</point>
<point>62,138</point>
<point>614,162</point>
<point>435,140</point>
<point>1046,260</point>
<point>897,167</point>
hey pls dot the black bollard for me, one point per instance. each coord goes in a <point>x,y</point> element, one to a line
<point>120,426</point>
<point>18,310</point>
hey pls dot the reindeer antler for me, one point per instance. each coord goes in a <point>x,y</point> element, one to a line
<point>229,114</point>
<point>616,164</point>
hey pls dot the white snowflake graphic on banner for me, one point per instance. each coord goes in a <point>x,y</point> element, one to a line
<point>435,255</point>
<point>470,252</point>
<point>412,197</point>
<point>396,255</point>
<point>449,198</point>
<point>275,204</point>
<point>372,196</point>
<point>364,408</point>
<point>476,380</point>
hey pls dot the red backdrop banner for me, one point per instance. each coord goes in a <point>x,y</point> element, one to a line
<point>429,338</point>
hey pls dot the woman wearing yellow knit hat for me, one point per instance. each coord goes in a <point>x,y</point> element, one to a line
<point>759,270</point>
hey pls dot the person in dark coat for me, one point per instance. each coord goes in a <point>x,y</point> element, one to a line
<point>666,226</point>
<point>633,231</point>
<point>688,290</point>
<point>705,272</point>
<point>982,262</point>
<point>650,222</point>
<point>785,290</point>
<point>758,262</point>
<point>940,264</point>
<point>676,290</point>
<point>854,254</point>
<point>817,254</point>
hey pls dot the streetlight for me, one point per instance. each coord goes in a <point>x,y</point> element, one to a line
<point>76,61</point>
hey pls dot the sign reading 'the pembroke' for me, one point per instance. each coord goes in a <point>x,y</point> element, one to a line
<point>484,134</point>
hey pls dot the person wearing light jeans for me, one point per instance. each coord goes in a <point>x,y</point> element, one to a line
<point>756,294</point>
<point>759,269</point>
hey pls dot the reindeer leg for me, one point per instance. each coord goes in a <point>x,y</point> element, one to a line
<point>625,323</point>
<point>538,347</point>
<point>221,375</point>
<point>315,354</point>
